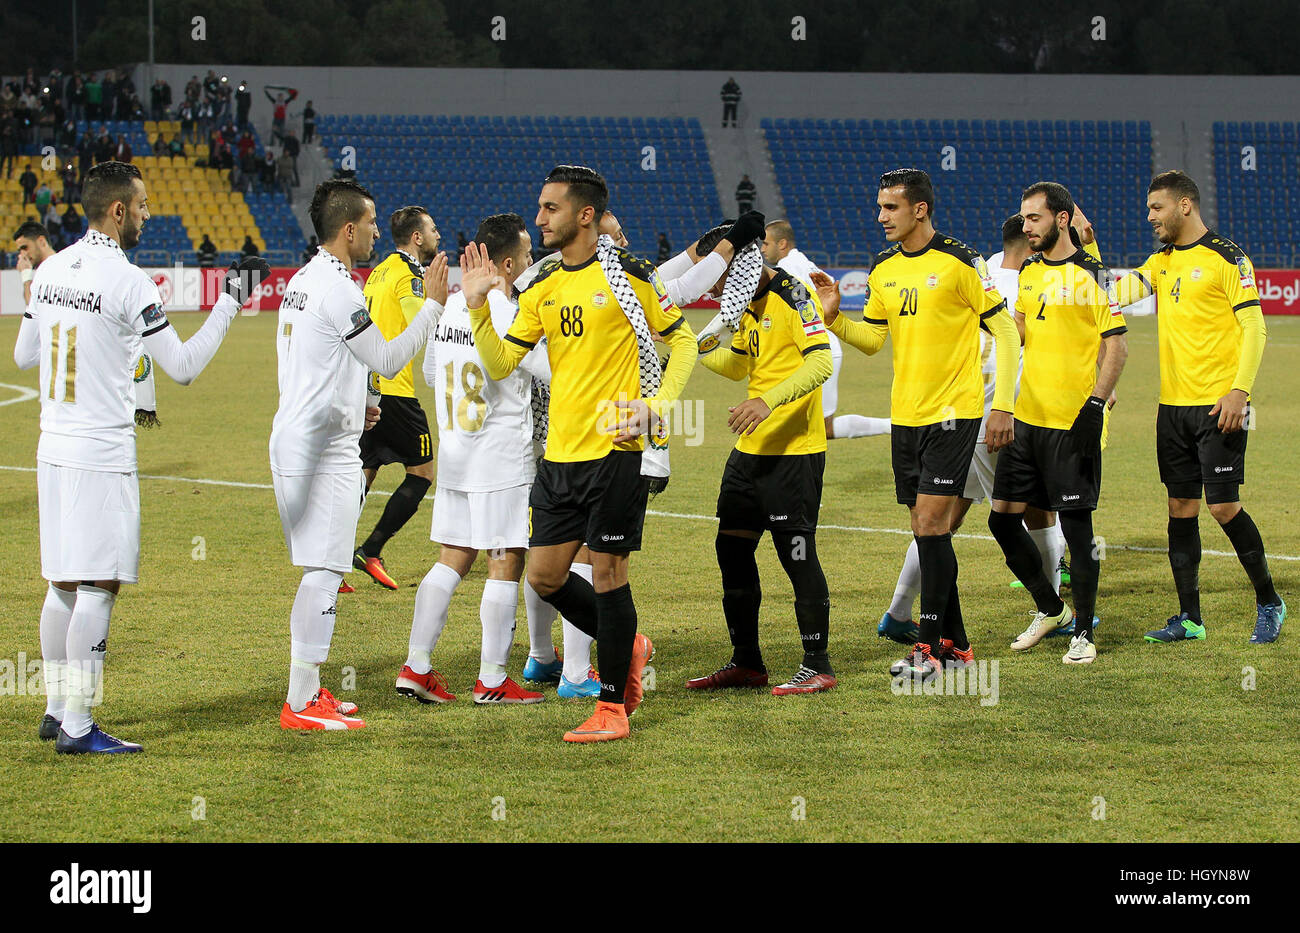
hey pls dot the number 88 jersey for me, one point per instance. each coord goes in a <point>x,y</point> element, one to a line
<point>485,426</point>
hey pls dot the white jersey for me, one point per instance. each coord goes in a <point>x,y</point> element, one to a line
<point>1008,284</point>
<point>317,428</point>
<point>485,425</point>
<point>797,264</point>
<point>91,307</point>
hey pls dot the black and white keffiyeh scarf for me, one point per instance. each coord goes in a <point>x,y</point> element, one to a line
<point>743,276</point>
<point>647,355</point>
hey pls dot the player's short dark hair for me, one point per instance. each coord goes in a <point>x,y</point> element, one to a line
<point>710,240</point>
<point>32,231</point>
<point>1179,184</point>
<point>106,184</point>
<point>337,202</point>
<point>500,234</point>
<point>405,221</point>
<point>916,185</point>
<point>1057,196</point>
<point>782,230</point>
<point>586,186</point>
<point>1013,230</point>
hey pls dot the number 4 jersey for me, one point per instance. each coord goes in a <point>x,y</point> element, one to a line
<point>485,426</point>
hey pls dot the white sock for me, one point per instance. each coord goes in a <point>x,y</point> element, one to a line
<point>859,426</point>
<point>431,602</point>
<point>1051,548</point>
<point>909,584</point>
<point>87,642</point>
<point>55,616</point>
<point>311,629</point>
<point>541,619</point>
<point>496,612</point>
<point>577,644</point>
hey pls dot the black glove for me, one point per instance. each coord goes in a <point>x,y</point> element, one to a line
<point>750,227</point>
<point>244,276</point>
<point>1088,423</point>
<point>657,485</point>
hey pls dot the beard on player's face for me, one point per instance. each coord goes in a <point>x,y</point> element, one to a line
<point>560,234</point>
<point>131,230</point>
<point>1048,239</point>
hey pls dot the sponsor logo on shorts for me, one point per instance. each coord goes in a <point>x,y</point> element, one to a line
<point>1070,498</point>
<point>611,537</point>
<point>778,518</point>
<point>1223,469</point>
<point>939,481</point>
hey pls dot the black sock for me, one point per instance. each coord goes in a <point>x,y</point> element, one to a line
<point>576,601</point>
<point>1085,568</point>
<point>938,569</point>
<point>1185,562</point>
<point>402,504</point>
<point>1024,560</point>
<point>617,619</point>
<point>954,626</point>
<point>812,604</point>
<point>741,597</point>
<point>1246,541</point>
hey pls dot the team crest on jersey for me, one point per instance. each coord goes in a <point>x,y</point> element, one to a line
<point>982,270</point>
<point>807,311</point>
<point>767,322</point>
<point>932,281</point>
<point>709,344</point>
<point>599,299</point>
<point>152,315</point>
<point>360,316</point>
<point>1196,273</point>
<point>1246,271</point>
<point>374,383</point>
<point>143,368</point>
<point>417,287</point>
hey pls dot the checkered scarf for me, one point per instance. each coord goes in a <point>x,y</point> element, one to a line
<point>742,282</point>
<point>647,355</point>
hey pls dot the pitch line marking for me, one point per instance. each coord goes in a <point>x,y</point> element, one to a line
<point>861,529</point>
<point>25,394</point>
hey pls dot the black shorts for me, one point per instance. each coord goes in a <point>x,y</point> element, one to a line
<point>1192,452</point>
<point>932,459</point>
<point>400,436</point>
<point>1045,468</point>
<point>600,502</point>
<point>772,492</point>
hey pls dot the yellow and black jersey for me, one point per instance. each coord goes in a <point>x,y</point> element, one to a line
<point>932,302</point>
<point>1204,292</point>
<point>781,327</point>
<point>394,295</point>
<point>1069,305</point>
<point>592,349</point>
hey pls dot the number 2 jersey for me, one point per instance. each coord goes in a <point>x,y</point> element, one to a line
<point>92,307</point>
<point>485,425</point>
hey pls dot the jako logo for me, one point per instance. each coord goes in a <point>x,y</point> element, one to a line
<point>942,482</point>
<point>1226,469</point>
<point>120,886</point>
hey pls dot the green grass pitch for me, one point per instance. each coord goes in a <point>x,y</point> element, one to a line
<point>1150,743</point>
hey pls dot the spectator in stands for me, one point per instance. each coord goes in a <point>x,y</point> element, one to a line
<point>54,223</point>
<point>85,155</point>
<point>665,249</point>
<point>8,148</point>
<point>308,124</point>
<point>281,111</point>
<point>291,149</point>
<point>746,194</point>
<point>211,87</point>
<point>186,115</point>
<point>730,101</point>
<point>240,180</point>
<point>206,118</point>
<point>68,136</point>
<point>71,190</point>
<point>71,223</point>
<point>266,170</point>
<point>42,199</point>
<point>284,174</point>
<point>160,99</point>
<point>249,248</point>
<point>27,112</point>
<point>123,151</point>
<point>28,182</point>
<point>309,253</point>
<point>104,147</point>
<point>176,148</point>
<point>207,253</point>
<point>76,94</point>
<point>243,103</point>
<point>222,108</point>
<point>247,145</point>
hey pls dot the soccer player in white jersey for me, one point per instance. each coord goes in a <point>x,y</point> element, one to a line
<point>779,250</point>
<point>485,471</point>
<point>90,310</point>
<point>326,344</point>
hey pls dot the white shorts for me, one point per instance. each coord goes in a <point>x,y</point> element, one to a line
<point>481,520</point>
<point>831,387</point>
<point>979,478</point>
<point>90,524</point>
<point>319,513</point>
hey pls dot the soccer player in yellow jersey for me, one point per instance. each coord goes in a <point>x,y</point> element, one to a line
<point>595,306</point>
<point>395,293</point>
<point>773,477</point>
<point>1212,337</point>
<point>930,293</point>
<point>1066,299</point>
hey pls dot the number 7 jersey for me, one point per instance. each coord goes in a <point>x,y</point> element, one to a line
<point>933,302</point>
<point>485,425</point>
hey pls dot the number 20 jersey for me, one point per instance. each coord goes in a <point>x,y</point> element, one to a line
<point>485,426</point>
